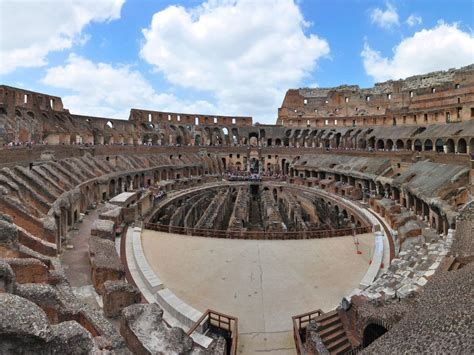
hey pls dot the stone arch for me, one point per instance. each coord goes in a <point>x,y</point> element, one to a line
<point>226,136</point>
<point>380,144</point>
<point>345,215</point>
<point>450,146</point>
<point>197,139</point>
<point>112,188</point>
<point>217,136</point>
<point>389,144</point>
<point>417,145</point>
<point>471,146</point>
<point>428,145</point>
<point>372,331</point>
<point>439,145</point>
<point>399,144</point>
<point>253,138</point>
<point>462,146</point>
<point>371,142</point>
<point>337,139</point>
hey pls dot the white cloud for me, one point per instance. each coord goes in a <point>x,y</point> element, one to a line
<point>385,18</point>
<point>442,47</point>
<point>29,30</point>
<point>413,20</point>
<point>246,53</point>
<point>100,89</point>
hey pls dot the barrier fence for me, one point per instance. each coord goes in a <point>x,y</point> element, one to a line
<point>221,324</point>
<point>259,235</point>
<point>300,322</point>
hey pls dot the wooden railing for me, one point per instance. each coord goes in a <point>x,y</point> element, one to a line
<point>237,234</point>
<point>300,322</point>
<point>221,324</point>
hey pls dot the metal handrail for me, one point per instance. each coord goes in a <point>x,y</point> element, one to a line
<point>301,321</point>
<point>231,234</point>
<point>222,321</point>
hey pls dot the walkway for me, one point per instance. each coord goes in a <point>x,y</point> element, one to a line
<point>76,260</point>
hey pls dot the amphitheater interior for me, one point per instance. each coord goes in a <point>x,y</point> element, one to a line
<point>345,227</point>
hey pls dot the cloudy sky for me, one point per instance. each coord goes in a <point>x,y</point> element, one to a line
<point>231,57</point>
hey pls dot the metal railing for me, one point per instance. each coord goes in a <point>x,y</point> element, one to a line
<point>300,322</point>
<point>221,324</point>
<point>237,234</point>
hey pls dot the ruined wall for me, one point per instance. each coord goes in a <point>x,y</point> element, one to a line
<point>439,97</point>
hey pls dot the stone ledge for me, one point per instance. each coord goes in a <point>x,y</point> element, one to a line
<point>146,272</point>
<point>377,258</point>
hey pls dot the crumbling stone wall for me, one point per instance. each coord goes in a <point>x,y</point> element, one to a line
<point>145,332</point>
<point>105,263</point>
<point>117,295</point>
<point>422,99</point>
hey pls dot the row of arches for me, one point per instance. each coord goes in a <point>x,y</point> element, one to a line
<point>433,215</point>
<point>439,145</point>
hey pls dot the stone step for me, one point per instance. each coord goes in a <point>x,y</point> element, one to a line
<point>330,330</point>
<point>332,337</point>
<point>328,319</point>
<point>337,344</point>
<point>455,266</point>
<point>341,349</point>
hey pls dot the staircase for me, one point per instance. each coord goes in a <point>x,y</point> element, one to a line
<point>332,333</point>
<point>452,264</point>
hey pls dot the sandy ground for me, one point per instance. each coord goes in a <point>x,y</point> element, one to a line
<point>263,283</point>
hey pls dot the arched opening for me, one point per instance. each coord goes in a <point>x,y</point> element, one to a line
<point>197,140</point>
<point>428,146</point>
<point>278,142</point>
<point>389,144</point>
<point>179,140</point>
<point>371,333</point>
<point>408,145</point>
<point>417,145</point>
<point>471,146</point>
<point>380,144</point>
<point>372,142</point>
<point>112,188</point>
<point>439,145</point>
<point>399,144</point>
<point>337,138</point>
<point>253,139</point>
<point>450,146</point>
<point>269,142</point>
<point>462,146</point>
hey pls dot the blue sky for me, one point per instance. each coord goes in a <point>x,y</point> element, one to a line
<point>234,57</point>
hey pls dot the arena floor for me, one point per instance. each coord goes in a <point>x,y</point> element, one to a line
<point>263,283</point>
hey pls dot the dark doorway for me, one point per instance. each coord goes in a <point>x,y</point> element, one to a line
<point>371,333</point>
<point>254,190</point>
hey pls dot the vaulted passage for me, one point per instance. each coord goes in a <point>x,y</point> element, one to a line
<point>371,333</point>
